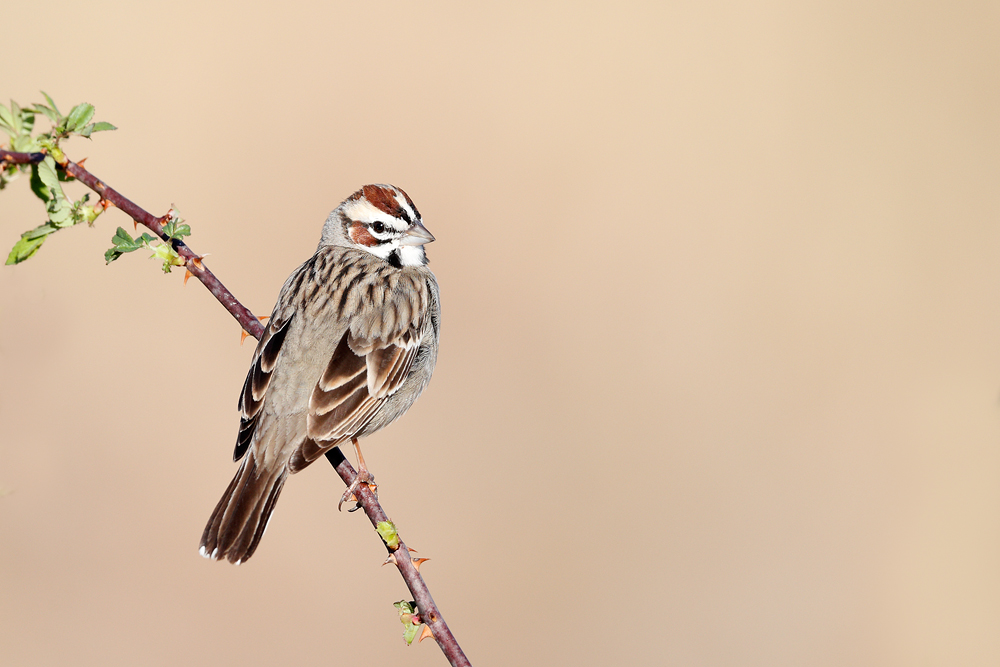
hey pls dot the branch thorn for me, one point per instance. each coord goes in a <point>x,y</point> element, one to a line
<point>425,633</point>
<point>197,261</point>
<point>245,333</point>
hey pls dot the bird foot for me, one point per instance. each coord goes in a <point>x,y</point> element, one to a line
<point>363,477</point>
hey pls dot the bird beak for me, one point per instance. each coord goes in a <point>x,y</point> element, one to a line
<point>416,234</point>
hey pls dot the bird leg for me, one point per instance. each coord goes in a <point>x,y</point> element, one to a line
<point>363,477</point>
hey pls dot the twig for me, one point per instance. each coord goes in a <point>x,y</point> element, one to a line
<point>428,611</point>
<point>192,261</point>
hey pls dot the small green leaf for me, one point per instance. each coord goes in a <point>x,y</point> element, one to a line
<point>387,531</point>
<point>24,144</point>
<point>60,212</point>
<point>27,121</point>
<point>40,189</point>
<point>123,241</point>
<point>52,104</point>
<point>7,121</point>
<point>24,249</point>
<point>29,244</point>
<point>40,231</point>
<point>48,176</point>
<point>79,116</point>
<point>51,114</point>
<point>176,229</point>
<point>100,126</point>
<point>15,114</point>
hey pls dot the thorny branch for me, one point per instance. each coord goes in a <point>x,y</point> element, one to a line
<point>400,555</point>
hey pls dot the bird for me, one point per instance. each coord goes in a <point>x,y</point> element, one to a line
<point>350,345</point>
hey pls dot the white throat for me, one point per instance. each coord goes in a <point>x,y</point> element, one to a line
<point>409,255</point>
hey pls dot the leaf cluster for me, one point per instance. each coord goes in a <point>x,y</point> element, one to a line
<point>175,229</point>
<point>46,180</point>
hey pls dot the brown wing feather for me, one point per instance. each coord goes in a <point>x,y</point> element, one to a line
<point>352,389</point>
<point>258,378</point>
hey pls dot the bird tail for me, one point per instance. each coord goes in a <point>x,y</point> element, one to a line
<point>240,518</point>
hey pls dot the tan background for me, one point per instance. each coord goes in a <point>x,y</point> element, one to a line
<point>719,380</point>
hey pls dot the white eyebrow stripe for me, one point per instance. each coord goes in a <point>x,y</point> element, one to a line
<point>366,213</point>
<point>363,211</point>
<point>401,200</point>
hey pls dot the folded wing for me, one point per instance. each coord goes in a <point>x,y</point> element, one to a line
<point>361,375</point>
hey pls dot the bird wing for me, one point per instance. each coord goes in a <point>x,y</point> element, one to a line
<point>265,358</point>
<point>362,374</point>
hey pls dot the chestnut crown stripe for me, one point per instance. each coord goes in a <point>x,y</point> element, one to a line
<point>384,199</point>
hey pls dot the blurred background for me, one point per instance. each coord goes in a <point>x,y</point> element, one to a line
<point>719,378</point>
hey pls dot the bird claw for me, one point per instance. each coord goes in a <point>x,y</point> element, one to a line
<point>350,495</point>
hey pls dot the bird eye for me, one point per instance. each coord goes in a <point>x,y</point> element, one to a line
<point>378,227</point>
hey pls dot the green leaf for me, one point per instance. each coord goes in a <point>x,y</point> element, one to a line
<point>79,116</point>
<point>29,244</point>
<point>27,121</point>
<point>40,189</point>
<point>87,130</point>
<point>48,176</point>
<point>24,249</point>
<point>38,232</point>
<point>123,241</point>
<point>52,104</point>
<point>176,229</point>
<point>51,114</point>
<point>60,213</point>
<point>45,184</point>
<point>15,113</point>
<point>387,531</point>
<point>7,121</point>
<point>24,144</point>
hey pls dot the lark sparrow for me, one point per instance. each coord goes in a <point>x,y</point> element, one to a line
<point>351,343</point>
